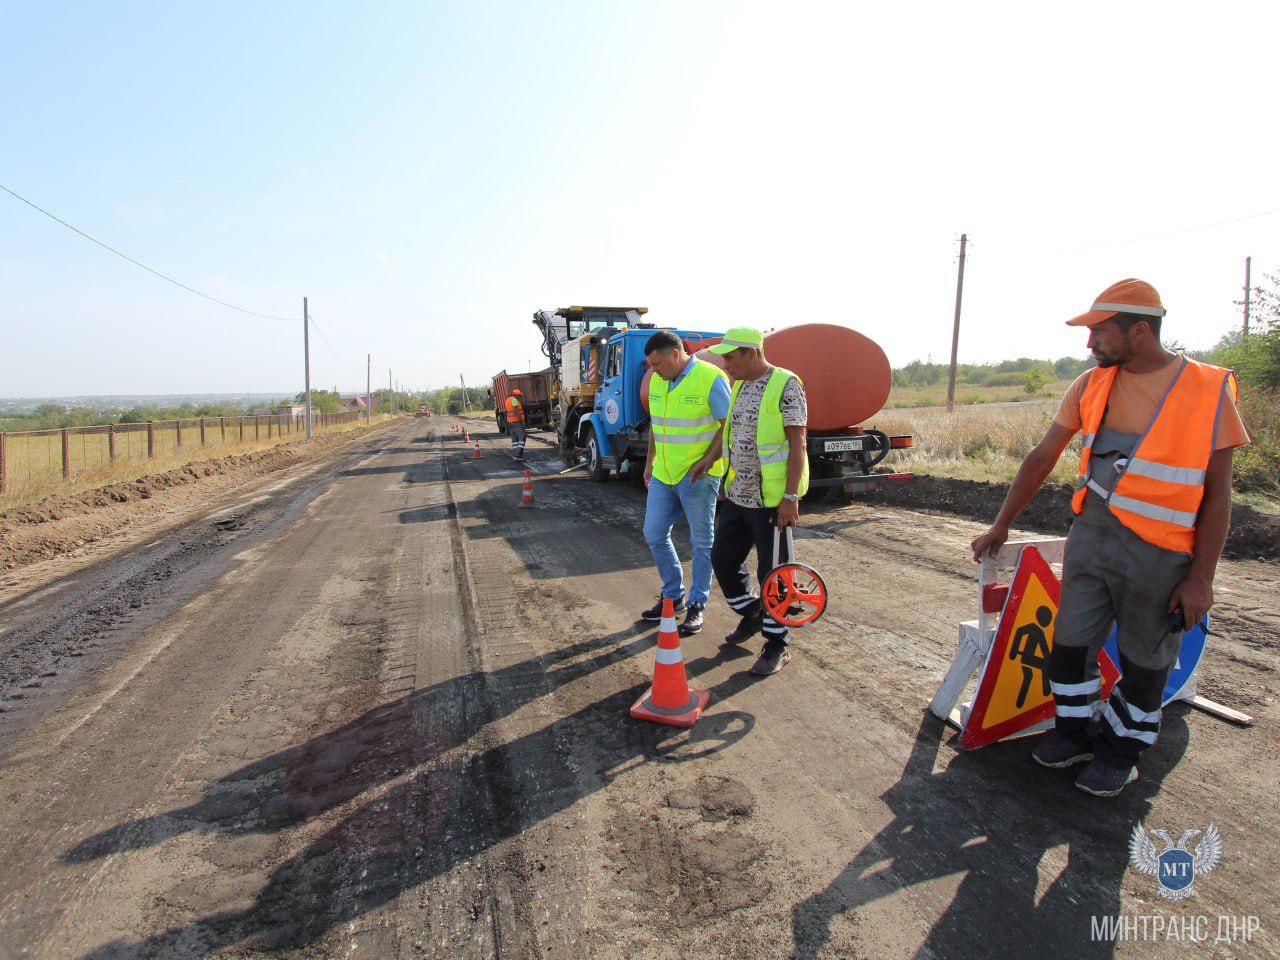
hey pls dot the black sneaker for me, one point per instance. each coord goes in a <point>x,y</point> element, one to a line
<point>747,627</point>
<point>773,658</point>
<point>1057,751</point>
<point>692,620</point>
<point>1104,779</point>
<point>654,613</point>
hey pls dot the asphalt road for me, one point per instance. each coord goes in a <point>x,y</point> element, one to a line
<point>378,711</point>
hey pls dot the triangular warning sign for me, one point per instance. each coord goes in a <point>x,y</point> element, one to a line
<point>1013,690</point>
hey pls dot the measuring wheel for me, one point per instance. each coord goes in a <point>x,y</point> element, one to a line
<point>794,594</point>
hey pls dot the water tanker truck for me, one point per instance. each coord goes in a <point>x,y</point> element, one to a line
<point>603,391</point>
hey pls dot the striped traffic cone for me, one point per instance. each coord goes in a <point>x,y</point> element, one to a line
<point>669,700</point>
<point>526,497</point>
<point>475,451</point>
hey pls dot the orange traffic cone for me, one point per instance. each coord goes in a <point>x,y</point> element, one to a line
<point>475,452</point>
<point>669,700</point>
<point>526,498</point>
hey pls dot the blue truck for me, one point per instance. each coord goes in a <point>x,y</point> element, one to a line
<point>615,434</point>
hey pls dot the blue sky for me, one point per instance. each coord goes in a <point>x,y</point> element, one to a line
<point>429,174</point>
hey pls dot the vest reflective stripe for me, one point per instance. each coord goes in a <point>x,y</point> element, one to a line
<point>705,437</point>
<point>1161,486</point>
<point>1087,439</point>
<point>1176,517</point>
<point>771,439</point>
<point>776,455</point>
<point>1158,471</point>
<point>681,441</point>
<point>683,421</point>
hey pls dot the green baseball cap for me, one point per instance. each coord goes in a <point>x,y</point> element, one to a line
<point>737,337</point>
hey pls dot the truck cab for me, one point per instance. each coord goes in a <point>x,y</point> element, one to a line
<point>615,435</point>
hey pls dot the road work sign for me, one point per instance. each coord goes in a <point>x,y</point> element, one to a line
<point>1013,688</point>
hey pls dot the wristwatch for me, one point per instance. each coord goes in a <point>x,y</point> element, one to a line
<point>791,496</point>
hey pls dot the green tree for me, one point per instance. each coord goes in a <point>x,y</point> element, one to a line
<point>322,401</point>
<point>1033,381</point>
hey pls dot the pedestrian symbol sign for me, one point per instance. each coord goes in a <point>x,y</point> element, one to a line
<point>1013,690</point>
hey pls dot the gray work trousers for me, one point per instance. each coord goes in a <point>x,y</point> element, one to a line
<point>1110,575</point>
<point>518,436</point>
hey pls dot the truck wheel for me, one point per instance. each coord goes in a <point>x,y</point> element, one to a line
<point>502,423</point>
<point>596,469</point>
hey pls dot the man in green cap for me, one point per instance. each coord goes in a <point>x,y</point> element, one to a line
<point>768,474</point>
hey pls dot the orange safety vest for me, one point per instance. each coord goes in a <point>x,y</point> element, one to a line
<point>1159,491</point>
<point>515,410</point>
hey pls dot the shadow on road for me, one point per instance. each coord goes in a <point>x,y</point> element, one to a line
<point>948,823</point>
<point>425,799</point>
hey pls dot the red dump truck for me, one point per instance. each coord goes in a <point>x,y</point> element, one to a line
<point>538,392</point>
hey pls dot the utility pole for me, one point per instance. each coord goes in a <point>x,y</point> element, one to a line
<point>955,332</point>
<point>390,392</point>
<point>466,404</point>
<point>306,349</point>
<point>1248,265</point>
<point>368,389</point>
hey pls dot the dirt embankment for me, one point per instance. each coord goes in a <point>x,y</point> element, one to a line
<point>59,525</point>
<point>1253,536</point>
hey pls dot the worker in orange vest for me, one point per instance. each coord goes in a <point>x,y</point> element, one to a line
<point>1152,505</point>
<point>515,423</point>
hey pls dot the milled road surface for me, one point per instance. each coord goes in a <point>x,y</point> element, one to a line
<point>380,712</point>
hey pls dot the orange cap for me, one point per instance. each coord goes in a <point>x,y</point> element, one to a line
<point>517,392</point>
<point>1127,296</point>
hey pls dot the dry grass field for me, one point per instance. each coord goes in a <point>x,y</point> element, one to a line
<point>983,441</point>
<point>34,459</point>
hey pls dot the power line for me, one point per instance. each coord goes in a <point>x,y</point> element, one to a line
<point>125,256</point>
<point>1120,243</point>
<point>332,349</point>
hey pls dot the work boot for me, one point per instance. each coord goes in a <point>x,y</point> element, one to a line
<point>654,613</point>
<point>1057,751</point>
<point>772,659</point>
<point>748,627</point>
<point>692,620</point>
<point>1103,779</point>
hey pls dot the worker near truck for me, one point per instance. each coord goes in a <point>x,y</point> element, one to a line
<point>768,473</point>
<point>688,402</point>
<point>515,423</point>
<point>1152,504</point>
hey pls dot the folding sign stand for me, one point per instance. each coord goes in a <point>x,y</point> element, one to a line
<point>1010,640</point>
<point>977,636</point>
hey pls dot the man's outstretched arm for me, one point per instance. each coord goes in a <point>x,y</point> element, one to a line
<point>1035,469</point>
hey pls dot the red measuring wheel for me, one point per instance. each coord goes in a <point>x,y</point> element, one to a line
<point>794,594</point>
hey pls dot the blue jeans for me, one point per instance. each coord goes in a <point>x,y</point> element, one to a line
<point>697,501</point>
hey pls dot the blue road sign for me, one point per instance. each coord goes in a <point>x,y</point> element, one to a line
<point>1184,667</point>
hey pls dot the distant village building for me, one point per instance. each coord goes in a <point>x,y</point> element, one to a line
<point>360,403</point>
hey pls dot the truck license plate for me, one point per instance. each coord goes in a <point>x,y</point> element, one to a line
<point>836,446</point>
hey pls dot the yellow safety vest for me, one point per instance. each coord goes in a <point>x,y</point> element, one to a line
<point>771,439</point>
<point>683,424</point>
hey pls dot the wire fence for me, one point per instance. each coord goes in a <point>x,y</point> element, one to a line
<point>34,462</point>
